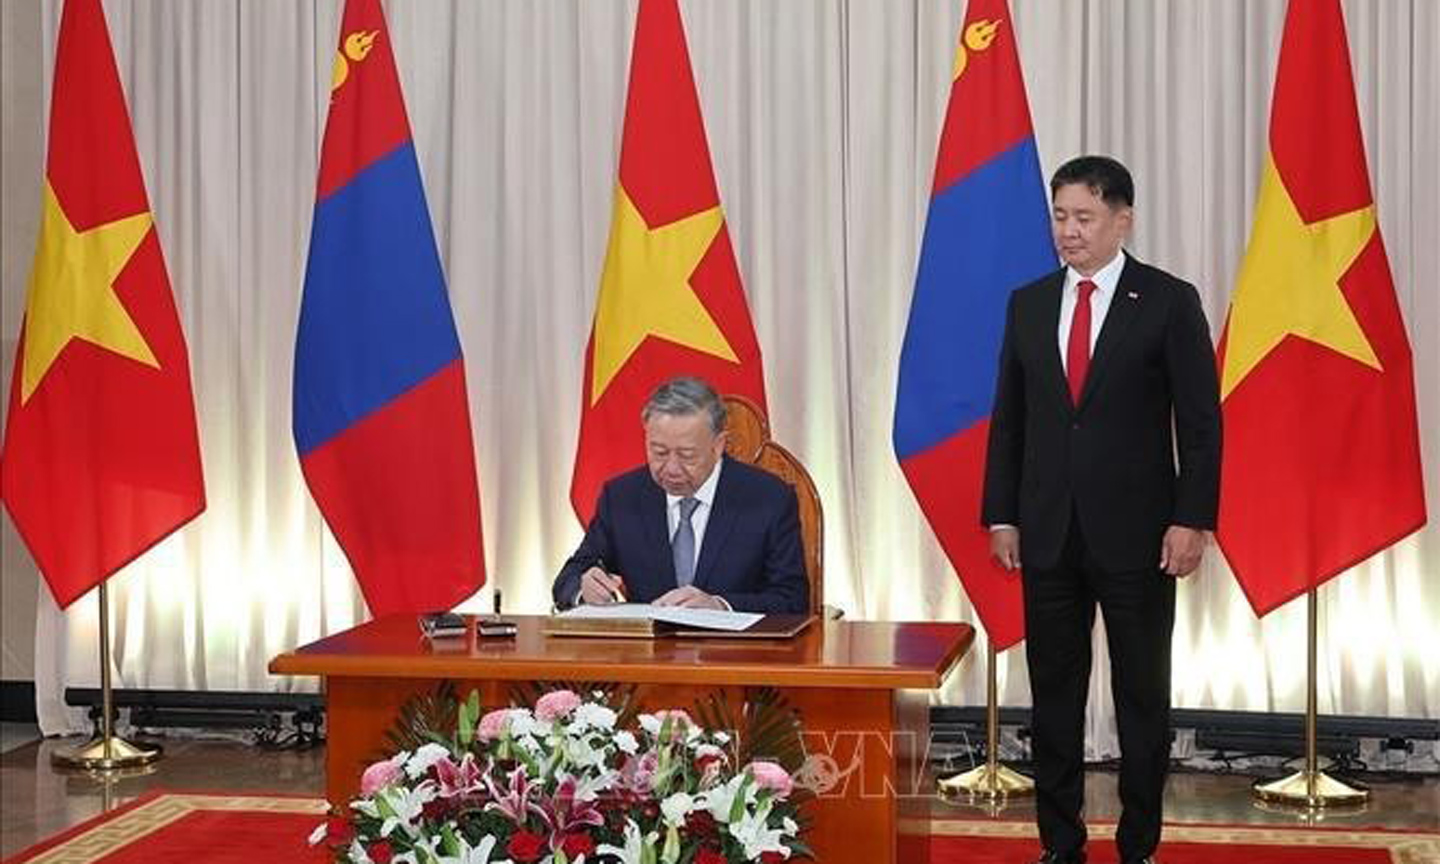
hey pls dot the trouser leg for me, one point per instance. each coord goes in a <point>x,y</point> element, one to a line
<point>1139,610</point>
<point>1059,616</point>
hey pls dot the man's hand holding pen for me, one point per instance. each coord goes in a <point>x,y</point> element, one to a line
<point>599,587</point>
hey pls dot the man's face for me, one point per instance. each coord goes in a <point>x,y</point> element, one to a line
<point>1088,232</point>
<point>681,451</point>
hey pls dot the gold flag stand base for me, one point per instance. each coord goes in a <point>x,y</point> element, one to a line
<point>96,756</point>
<point>106,753</point>
<point>1310,788</point>
<point>1314,790</point>
<point>992,782</point>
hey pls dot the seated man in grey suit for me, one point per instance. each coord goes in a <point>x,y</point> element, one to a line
<point>692,527</point>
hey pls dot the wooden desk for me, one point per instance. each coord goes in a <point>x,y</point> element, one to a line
<point>861,688</point>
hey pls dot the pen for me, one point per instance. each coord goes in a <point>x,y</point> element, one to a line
<point>617,593</point>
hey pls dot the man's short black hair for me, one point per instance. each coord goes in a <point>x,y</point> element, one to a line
<point>1104,176</point>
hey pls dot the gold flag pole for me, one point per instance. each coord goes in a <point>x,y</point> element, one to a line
<point>1310,788</point>
<point>107,752</point>
<point>991,781</point>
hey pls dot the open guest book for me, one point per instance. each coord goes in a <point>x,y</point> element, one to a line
<point>641,620</point>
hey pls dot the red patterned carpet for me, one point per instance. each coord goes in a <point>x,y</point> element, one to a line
<point>173,828</point>
<point>167,828</point>
<point>984,841</point>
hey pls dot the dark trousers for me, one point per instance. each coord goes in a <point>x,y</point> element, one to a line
<point>1139,610</point>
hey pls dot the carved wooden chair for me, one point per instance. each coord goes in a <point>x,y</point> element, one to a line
<point>749,441</point>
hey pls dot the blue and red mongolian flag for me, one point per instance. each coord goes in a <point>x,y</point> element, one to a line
<point>381,418</point>
<point>986,234</point>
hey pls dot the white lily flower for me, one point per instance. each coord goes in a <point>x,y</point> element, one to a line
<point>635,845</point>
<point>650,723</point>
<point>319,833</point>
<point>473,854</point>
<point>757,837</point>
<point>357,853</point>
<point>425,758</point>
<point>407,805</point>
<point>721,799</point>
<point>588,788</point>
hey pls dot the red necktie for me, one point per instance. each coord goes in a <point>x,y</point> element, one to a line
<point>1077,351</point>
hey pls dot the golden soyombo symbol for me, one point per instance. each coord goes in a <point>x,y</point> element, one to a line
<point>356,46</point>
<point>977,37</point>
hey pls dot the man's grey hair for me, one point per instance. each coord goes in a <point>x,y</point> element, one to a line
<point>682,397</point>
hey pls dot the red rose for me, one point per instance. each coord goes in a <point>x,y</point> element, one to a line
<point>381,852</point>
<point>526,846</point>
<point>701,825</point>
<point>710,856</point>
<point>577,844</point>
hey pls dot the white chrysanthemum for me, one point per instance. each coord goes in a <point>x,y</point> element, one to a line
<point>651,724</point>
<point>425,758</point>
<point>627,743</point>
<point>721,737</point>
<point>523,723</point>
<point>676,807</point>
<point>591,716</point>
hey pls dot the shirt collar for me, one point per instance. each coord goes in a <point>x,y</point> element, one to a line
<point>1105,279</point>
<point>706,493</point>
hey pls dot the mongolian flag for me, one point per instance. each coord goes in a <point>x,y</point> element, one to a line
<point>101,457</point>
<point>381,419</point>
<point>987,233</point>
<point>1322,455</point>
<point>670,300</point>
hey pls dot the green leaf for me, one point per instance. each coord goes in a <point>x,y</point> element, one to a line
<point>469,718</point>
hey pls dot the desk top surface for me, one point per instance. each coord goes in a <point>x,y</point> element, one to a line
<point>835,654</point>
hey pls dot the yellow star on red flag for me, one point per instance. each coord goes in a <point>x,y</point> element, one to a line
<point>72,293</point>
<point>1289,283</point>
<point>645,289</point>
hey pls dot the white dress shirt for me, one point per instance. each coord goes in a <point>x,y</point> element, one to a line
<point>1106,279</point>
<point>701,517</point>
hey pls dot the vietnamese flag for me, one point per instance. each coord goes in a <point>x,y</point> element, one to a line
<point>670,300</point>
<point>101,458</point>
<point>1322,454</point>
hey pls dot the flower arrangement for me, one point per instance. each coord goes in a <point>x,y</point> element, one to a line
<point>572,780</point>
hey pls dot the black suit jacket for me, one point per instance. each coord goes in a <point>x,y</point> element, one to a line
<point>750,553</point>
<point>1139,453</point>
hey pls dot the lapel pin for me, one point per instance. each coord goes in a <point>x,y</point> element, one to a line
<point>1132,295</point>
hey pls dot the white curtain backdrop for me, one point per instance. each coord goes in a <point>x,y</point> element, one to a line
<point>823,117</point>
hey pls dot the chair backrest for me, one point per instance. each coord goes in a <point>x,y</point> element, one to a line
<point>749,441</point>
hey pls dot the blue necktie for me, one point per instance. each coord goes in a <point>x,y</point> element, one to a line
<point>683,545</point>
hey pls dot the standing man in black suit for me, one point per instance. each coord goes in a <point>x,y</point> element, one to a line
<point>1102,477</point>
<point>692,527</point>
